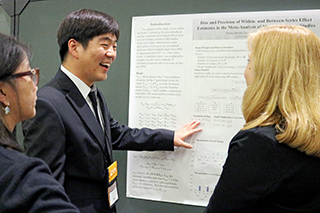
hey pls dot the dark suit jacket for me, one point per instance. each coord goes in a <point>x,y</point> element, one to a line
<point>66,135</point>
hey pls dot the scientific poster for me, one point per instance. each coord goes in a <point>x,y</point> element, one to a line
<point>184,68</point>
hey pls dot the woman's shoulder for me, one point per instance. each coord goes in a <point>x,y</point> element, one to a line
<point>28,186</point>
<point>262,140</point>
<point>11,159</point>
<point>264,133</point>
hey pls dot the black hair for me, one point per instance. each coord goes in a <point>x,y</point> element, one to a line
<point>82,25</point>
<point>12,54</point>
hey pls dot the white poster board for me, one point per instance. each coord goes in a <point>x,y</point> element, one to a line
<point>190,67</point>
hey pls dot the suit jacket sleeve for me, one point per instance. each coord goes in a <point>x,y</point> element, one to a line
<point>143,139</point>
<point>41,142</point>
<point>126,138</point>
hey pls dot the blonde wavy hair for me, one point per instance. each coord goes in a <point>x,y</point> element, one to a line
<point>285,90</point>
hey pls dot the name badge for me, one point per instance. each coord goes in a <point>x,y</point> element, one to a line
<point>113,171</point>
<point>112,187</point>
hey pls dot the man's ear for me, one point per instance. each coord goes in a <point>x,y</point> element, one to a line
<point>73,46</point>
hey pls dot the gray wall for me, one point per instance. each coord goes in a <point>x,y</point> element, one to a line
<point>38,26</point>
<point>5,21</point>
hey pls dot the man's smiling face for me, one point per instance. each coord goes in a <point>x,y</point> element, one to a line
<point>97,58</point>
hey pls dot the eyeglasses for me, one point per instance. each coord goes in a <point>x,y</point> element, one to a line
<point>34,75</point>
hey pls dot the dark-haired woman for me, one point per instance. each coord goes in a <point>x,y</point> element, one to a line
<point>26,184</point>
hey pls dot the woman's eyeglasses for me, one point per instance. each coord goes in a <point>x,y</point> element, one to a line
<point>34,75</point>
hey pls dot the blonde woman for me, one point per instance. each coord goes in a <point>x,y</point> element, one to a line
<point>273,163</point>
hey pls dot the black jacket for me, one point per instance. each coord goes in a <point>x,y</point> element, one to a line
<point>263,175</point>
<point>26,185</point>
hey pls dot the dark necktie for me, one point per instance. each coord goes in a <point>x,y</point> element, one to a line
<point>93,98</point>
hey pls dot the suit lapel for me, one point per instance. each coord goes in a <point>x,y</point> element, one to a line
<point>105,115</point>
<point>80,105</point>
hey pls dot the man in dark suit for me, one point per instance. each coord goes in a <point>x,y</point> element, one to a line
<point>74,133</point>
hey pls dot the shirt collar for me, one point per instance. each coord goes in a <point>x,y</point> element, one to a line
<point>82,87</point>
